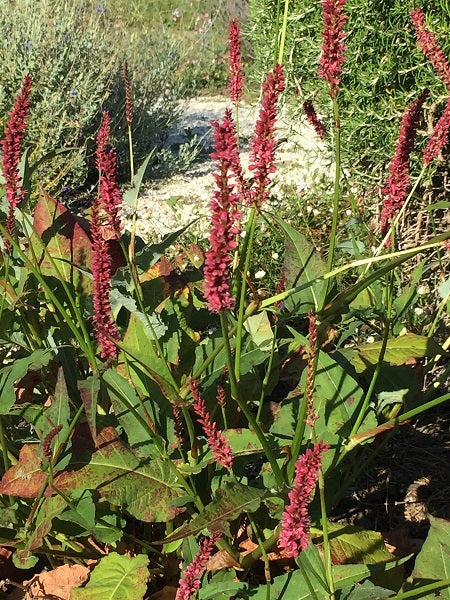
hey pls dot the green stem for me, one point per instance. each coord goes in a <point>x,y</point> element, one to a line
<point>248,246</point>
<point>283,32</point>
<point>422,590</point>
<point>336,196</point>
<point>265,382</point>
<point>326,543</point>
<point>245,409</point>
<point>131,153</point>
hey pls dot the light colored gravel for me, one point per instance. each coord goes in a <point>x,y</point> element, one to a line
<point>172,203</point>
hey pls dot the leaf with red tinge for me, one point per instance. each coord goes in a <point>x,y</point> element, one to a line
<point>25,479</point>
<point>231,501</point>
<point>145,488</point>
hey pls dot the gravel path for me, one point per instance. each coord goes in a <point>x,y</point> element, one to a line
<point>172,203</point>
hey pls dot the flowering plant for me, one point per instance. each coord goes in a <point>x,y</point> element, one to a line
<point>175,427</point>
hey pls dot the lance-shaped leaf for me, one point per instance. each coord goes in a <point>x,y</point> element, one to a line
<point>25,479</point>
<point>231,501</point>
<point>145,488</point>
<point>433,561</point>
<point>116,577</point>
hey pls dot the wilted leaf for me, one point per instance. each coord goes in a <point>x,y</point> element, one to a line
<point>57,583</point>
<point>221,560</point>
<point>398,351</point>
<point>231,501</point>
<point>260,330</point>
<point>25,479</point>
<point>116,577</point>
<point>144,488</point>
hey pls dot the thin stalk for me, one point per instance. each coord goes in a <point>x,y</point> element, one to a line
<point>267,375</point>
<point>243,289</point>
<point>336,196</point>
<point>131,153</point>
<point>245,409</point>
<point>376,373</point>
<point>263,554</point>
<point>304,571</point>
<point>423,590</point>
<point>326,543</point>
<point>283,32</point>
<point>277,30</point>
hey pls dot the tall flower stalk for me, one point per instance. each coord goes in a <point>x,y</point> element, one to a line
<point>225,217</point>
<point>236,83</point>
<point>105,223</point>
<point>11,148</point>
<point>439,137</point>
<point>190,583</point>
<point>398,181</point>
<point>429,45</point>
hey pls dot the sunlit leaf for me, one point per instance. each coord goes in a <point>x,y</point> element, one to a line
<point>25,479</point>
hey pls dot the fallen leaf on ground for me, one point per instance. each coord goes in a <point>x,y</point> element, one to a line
<point>57,583</point>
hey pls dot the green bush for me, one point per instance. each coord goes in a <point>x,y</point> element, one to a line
<point>383,71</point>
<point>75,53</point>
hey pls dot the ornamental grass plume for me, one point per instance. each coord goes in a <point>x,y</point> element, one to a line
<point>106,162</point>
<point>333,46</point>
<point>427,42</point>
<point>108,201</point>
<point>234,60</point>
<point>225,217</point>
<point>11,148</point>
<point>262,155</point>
<point>190,583</point>
<point>295,522</point>
<point>216,441</point>
<point>439,137</point>
<point>397,184</point>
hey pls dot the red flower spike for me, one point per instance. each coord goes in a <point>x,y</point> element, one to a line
<point>398,181</point>
<point>262,156</point>
<point>218,444</point>
<point>439,137</point>
<point>224,217</point>
<point>11,148</point>
<point>190,583</point>
<point>294,535</point>
<point>234,60</point>
<point>109,193</point>
<point>426,40</point>
<point>333,46</point>
<point>313,119</point>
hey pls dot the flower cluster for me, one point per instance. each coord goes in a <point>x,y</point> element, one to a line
<point>190,583</point>
<point>333,46</point>
<point>294,535</point>
<point>225,217</point>
<point>398,181</point>
<point>108,201</point>
<point>430,47</point>
<point>109,195</point>
<point>128,101</point>
<point>218,444</point>
<point>313,119</point>
<point>11,148</point>
<point>234,61</point>
<point>262,155</point>
<point>439,137</point>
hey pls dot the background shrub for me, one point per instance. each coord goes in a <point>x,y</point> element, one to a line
<point>383,71</point>
<point>75,52</point>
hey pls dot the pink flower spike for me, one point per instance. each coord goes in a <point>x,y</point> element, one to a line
<point>224,217</point>
<point>398,181</point>
<point>234,59</point>
<point>313,119</point>
<point>262,155</point>
<point>190,583</point>
<point>294,535</point>
<point>333,46</point>
<point>439,137</point>
<point>11,148</point>
<point>216,441</point>
<point>427,42</point>
<point>106,160</point>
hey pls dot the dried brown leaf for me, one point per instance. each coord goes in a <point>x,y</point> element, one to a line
<point>57,583</point>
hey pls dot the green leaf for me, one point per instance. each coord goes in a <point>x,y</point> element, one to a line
<point>131,194</point>
<point>48,510</point>
<point>144,488</point>
<point>302,264</point>
<point>153,324</point>
<point>291,586</point>
<point>260,330</point>
<point>116,577</point>
<point>433,562</point>
<point>19,368</point>
<point>365,591</point>
<point>89,389</point>
<point>444,288</point>
<point>129,410</point>
<point>231,501</point>
<point>398,351</point>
